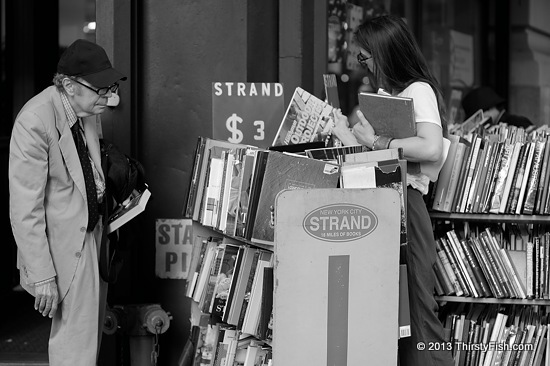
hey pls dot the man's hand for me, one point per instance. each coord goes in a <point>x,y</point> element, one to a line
<point>46,297</point>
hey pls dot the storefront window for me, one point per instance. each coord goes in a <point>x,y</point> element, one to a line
<point>343,19</point>
<point>452,35</point>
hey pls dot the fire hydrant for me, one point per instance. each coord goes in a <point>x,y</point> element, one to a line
<point>142,324</point>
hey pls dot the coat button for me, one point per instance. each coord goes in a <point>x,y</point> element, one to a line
<point>82,229</point>
<point>77,254</point>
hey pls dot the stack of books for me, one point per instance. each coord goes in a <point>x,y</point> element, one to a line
<point>503,171</point>
<point>490,334</point>
<point>482,265</point>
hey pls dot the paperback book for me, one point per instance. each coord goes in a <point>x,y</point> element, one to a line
<point>307,119</point>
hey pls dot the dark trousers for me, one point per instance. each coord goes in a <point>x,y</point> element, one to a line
<point>420,258</point>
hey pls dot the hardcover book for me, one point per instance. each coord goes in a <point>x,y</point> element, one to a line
<point>199,178</point>
<point>237,292</point>
<point>135,205</point>
<point>307,119</point>
<point>285,171</point>
<point>389,115</point>
<point>443,182</point>
<point>509,178</point>
<point>224,280</point>
<point>543,180</point>
<point>461,151</point>
<point>533,182</point>
<point>527,172</point>
<point>197,256</point>
<point>457,289</point>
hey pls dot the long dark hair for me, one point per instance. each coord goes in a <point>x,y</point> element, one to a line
<point>398,60</point>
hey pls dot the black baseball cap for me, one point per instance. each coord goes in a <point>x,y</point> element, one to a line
<point>88,61</point>
<point>483,98</point>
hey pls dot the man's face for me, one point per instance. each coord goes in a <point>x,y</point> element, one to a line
<point>85,101</point>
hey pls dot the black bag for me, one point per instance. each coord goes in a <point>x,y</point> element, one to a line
<point>123,174</point>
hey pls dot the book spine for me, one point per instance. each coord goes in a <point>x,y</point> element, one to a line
<point>510,344</point>
<point>526,176</point>
<point>539,202</point>
<point>191,194</point>
<point>462,177</point>
<point>536,267</point>
<point>454,265</point>
<point>502,174</point>
<point>518,180</point>
<point>441,274</point>
<point>517,283</point>
<point>546,294</point>
<point>463,264</point>
<point>480,170</point>
<point>533,182</point>
<point>438,287</point>
<point>529,270</point>
<point>494,259</point>
<point>492,175</point>
<point>248,289</point>
<point>204,304</point>
<point>516,353</point>
<point>457,289</point>
<point>512,174</point>
<point>485,290</point>
<point>546,184</point>
<point>488,267</point>
<point>442,184</point>
<point>471,169</point>
<point>453,180</point>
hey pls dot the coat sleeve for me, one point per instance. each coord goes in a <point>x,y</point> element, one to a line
<point>28,173</point>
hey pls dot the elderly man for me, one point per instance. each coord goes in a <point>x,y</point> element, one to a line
<point>56,191</point>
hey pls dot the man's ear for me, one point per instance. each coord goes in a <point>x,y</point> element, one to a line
<point>69,86</point>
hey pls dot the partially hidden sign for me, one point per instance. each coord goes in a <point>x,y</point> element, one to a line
<point>174,242</point>
<point>247,113</point>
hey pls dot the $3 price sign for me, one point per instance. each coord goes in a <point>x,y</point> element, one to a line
<point>232,124</point>
<point>247,113</point>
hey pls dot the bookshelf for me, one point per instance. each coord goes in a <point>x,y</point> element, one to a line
<point>465,318</point>
<point>327,321</point>
<point>480,218</point>
<point>491,218</point>
<point>482,300</point>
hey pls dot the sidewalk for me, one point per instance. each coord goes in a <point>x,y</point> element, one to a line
<point>24,332</point>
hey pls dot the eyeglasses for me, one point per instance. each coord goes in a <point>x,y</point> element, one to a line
<point>101,91</point>
<point>362,59</point>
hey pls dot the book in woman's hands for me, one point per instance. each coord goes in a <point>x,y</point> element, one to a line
<point>389,115</point>
<point>132,207</point>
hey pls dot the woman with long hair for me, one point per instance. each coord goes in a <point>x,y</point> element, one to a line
<point>393,58</point>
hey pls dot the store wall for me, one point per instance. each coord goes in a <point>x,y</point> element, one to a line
<point>172,51</point>
<point>530,60</point>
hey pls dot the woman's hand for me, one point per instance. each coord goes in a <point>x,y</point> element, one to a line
<point>341,129</point>
<point>363,131</point>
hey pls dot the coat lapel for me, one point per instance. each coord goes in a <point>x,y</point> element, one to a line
<point>66,144</point>
<point>92,141</point>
